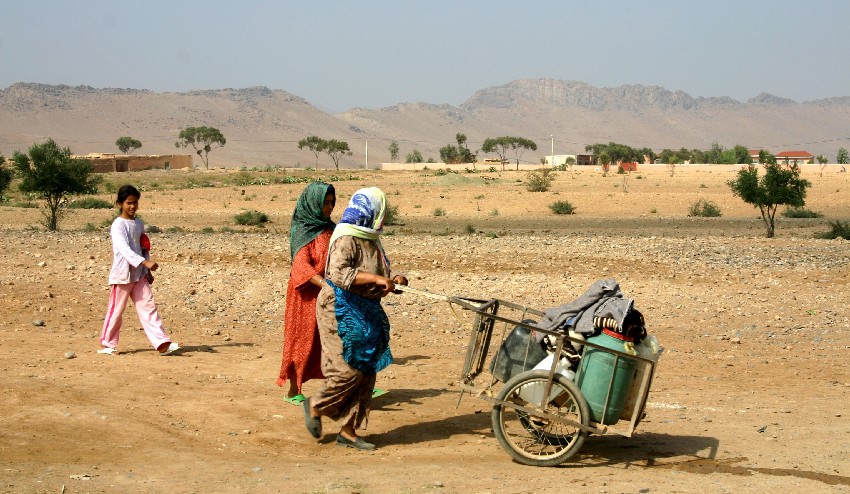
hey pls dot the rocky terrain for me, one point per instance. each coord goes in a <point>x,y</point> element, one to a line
<point>750,394</point>
<point>263,126</point>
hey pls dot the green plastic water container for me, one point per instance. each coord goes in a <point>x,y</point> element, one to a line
<point>595,377</point>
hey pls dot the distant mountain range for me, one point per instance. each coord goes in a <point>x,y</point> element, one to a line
<point>263,126</point>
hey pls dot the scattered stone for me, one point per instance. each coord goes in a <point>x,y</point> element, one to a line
<point>38,322</point>
<point>70,355</point>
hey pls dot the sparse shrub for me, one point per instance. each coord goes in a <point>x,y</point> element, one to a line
<point>705,209</point>
<point>562,207</point>
<point>492,169</point>
<point>89,203</point>
<point>89,227</point>
<point>653,211</point>
<point>479,197</point>
<point>839,229</point>
<point>439,212</point>
<point>174,229</point>
<point>153,229</point>
<point>226,229</point>
<point>491,235</point>
<point>469,229</point>
<point>25,204</point>
<point>391,216</point>
<point>703,186</point>
<point>207,229</point>
<point>538,181</point>
<point>251,218</point>
<point>800,213</point>
<point>494,212</point>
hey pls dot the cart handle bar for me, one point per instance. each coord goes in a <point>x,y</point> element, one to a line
<point>466,303</point>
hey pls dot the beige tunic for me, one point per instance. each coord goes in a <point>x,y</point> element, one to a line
<point>347,393</point>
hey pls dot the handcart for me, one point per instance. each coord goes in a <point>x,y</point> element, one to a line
<point>542,416</point>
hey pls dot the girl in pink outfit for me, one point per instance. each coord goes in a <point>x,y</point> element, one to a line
<point>130,278</point>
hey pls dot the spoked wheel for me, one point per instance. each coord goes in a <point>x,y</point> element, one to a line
<point>540,439</point>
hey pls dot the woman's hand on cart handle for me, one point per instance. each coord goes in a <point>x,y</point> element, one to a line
<point>399,280</point>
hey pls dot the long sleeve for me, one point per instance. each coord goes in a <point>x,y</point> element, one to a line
<point>121,242</point>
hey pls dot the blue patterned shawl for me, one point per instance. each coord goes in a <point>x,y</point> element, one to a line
<point>364,329</point>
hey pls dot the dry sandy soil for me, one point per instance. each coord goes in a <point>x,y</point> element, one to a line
<point>751,394</point>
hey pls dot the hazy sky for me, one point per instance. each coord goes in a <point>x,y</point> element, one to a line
<point>344,54</point>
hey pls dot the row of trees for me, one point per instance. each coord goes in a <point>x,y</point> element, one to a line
<point>202,139</point>
<point>615,153</point>
<point>205,139</point>
<point>332,147</point>
<point>52,173</point>
<point>461,153</point>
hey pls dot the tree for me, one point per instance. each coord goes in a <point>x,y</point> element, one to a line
<point>500,146</point>
<point>520,145</point>
<point>315,144</point>
<point>127,144</point>
<point>393,151</point>
<point>53,174</point>
<point>336,149</point>
<point>842,158</point>
<point>5,176</point>
<point>202,140</point>
<point>765,157</point>
<point>780,184</point>
<point>414,157</point>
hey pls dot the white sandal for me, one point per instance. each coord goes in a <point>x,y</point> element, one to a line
<point>108,351</point>
<point>172,347</point>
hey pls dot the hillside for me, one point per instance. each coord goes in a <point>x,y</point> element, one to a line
<point>263,125</point>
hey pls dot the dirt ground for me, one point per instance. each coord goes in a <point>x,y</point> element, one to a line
<point>751,392</point>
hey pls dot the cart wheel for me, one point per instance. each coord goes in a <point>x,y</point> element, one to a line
<point>534,439</point>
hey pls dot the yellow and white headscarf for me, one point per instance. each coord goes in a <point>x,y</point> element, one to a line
<point>364,217</point>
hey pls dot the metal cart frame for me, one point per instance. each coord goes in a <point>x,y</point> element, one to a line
<point>550,409</point>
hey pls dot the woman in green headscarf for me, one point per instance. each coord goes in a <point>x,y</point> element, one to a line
<point>309,239</point>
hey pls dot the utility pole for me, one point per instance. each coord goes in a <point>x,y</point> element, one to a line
<point>552,163</point>
<point>367,154</point>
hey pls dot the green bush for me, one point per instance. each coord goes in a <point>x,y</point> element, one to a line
<point>800,213</point>
<point>207,229</point>
<point>705,209</point>
<point>89,203</point>
<point>391,216</point>
<point>840,229</point>
<point>251,218</point>
<point>538,181</point>
<point>562,207</point>
<point>25,204</point>
<point>439,212</point>
<point>469,228</point>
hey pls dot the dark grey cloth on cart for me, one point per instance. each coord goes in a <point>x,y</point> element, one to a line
<point>603,299</point>
<point>520,351</point>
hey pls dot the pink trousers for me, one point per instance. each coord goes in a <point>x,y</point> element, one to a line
<point>142,296</point>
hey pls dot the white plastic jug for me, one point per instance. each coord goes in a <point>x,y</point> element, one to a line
<point>533,392</point>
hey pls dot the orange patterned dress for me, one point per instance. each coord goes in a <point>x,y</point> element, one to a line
<point>302,350</point>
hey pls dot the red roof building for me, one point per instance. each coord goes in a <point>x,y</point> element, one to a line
<point>795,157</point>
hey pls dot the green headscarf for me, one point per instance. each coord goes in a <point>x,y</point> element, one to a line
<point>307,219</point>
